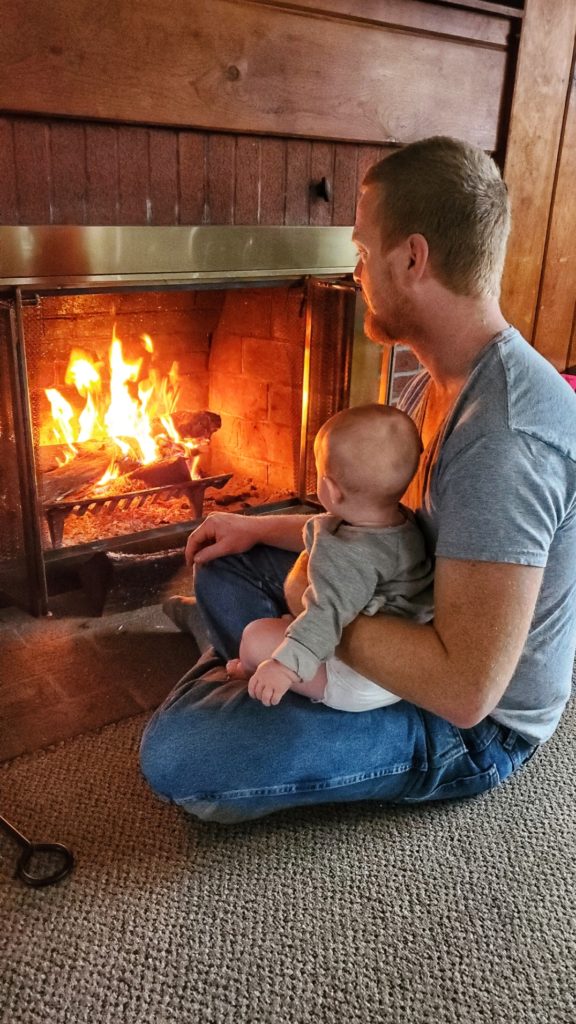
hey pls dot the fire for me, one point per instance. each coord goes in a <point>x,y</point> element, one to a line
<point>133,410</point>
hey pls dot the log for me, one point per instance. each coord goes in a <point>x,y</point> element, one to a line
<point>196,424</point>
<point>87,466</point>
<point>50,456</point>
<point>161,474</point>
<point>94,457</point>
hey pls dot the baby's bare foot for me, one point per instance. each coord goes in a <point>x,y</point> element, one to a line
<point>235,669</point>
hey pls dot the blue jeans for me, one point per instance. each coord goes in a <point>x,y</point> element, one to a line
<point>224,757</point>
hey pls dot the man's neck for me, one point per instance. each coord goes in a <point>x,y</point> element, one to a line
<point>449,346</point>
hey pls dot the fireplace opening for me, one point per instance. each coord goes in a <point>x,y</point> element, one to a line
<point>133,412</point>
<point>152,408</point>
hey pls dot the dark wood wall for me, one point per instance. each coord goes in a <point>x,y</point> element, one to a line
<point>69,172</point>
<point>231,111</point>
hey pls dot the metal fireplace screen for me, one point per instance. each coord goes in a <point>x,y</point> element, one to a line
<point>13,553</point>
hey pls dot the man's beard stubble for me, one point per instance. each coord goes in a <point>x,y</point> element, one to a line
<point>400,325</point>
<point>380,333</point>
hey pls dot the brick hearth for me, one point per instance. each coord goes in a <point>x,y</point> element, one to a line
<point>72,673</point>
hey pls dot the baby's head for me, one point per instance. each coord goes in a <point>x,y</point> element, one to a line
<point>365,458</point>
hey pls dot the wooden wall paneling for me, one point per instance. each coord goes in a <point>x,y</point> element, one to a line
<point>321,166</point>
<point>247,196</point>
<point>102,200</point>
<point>297,199</point>
<point>33,171</point>
<point>8,199</point>
<point>344,184</point>
<point>192,164</point>
<point>133,175</point>
<point>163,157</point>
<point>542,78</point>
<point>220,176</point>
<point>113,174</point>
<point>367,156</point>
<point>68,159</point>
<point>556,313</point>
<point>233,65</point>
<point>272,181</point>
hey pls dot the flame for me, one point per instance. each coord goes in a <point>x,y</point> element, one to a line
<point>62,417</point>
<point>112,473</point>
<point>135,411</point>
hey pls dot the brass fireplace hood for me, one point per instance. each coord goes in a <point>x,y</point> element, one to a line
<point>65,257</point>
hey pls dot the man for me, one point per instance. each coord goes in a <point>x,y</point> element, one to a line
<point>485,683</point>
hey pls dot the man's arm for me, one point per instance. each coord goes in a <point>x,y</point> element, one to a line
<point>459,665</point>
<point>226,533</point>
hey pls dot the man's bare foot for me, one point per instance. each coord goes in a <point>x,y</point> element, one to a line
<point>235,669</point>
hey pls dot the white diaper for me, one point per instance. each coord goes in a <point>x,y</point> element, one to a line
<point>347,690</point>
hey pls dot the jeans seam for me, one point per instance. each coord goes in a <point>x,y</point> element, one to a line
<point>286,788</point>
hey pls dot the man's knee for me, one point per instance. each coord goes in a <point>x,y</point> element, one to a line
<point>163,773</point>
<point>156,759</point>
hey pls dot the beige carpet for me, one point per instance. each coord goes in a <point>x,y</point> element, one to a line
<point>347,915</point>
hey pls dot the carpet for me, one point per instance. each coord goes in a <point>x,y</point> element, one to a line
<point>438,914</point>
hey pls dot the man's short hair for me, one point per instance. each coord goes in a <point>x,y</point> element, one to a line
<point>453,194</point>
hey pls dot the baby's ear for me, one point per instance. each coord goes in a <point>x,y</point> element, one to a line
<point>334,493</point>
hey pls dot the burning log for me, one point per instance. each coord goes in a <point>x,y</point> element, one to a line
<point>87,466</point>
<point>196,424</point>
<point>162,474</point>
<point>61,479</point>
<point>53,456</point>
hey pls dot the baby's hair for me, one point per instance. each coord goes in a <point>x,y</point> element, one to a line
<point>372,449</point>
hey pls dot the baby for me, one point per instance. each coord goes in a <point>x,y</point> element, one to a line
<point>364,555</point>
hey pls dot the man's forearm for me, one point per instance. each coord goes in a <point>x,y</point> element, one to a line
<point>460,665</point>
<point>282,531</point>
<point>405,657</point>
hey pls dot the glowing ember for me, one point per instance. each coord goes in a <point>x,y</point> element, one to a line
<point>133,411</point>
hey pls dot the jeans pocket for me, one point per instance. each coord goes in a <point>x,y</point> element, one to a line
<point>458,788</point>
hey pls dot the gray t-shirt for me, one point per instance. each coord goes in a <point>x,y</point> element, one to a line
<point>498,484</point>
<point>353,569</point>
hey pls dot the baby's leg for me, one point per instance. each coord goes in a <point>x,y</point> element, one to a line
<point>259,639</point>
<point>314,688</point>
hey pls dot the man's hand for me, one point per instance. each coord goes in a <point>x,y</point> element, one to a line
<point>270,682</point>
<point>227,533</point>
<point>221,533</point>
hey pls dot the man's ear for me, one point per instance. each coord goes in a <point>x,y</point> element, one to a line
<point>418,255</point>
<point>334,492</point>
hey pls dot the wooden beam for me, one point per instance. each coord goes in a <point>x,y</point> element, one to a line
<point>233,65</point>
<point>542,78</point>
<point>419,15</point>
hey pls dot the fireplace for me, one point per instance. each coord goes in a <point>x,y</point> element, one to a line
<point>151,375</point>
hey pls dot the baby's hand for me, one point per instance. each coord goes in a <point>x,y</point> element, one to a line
<point>270,682</point>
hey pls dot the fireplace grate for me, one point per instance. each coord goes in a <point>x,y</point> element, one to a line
<point>58,512</point>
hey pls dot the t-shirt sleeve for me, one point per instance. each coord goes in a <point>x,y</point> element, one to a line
<point>500,499</point>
